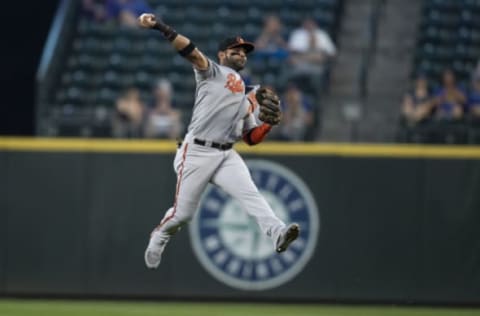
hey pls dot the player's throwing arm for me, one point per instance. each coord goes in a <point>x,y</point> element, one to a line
<point>182,44</point>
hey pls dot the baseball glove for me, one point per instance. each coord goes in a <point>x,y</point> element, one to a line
<point>269,104</point>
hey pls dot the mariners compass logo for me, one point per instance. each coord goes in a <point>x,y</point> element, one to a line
<point>229,243</point>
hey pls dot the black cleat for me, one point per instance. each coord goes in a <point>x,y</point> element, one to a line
<point>287,236</point>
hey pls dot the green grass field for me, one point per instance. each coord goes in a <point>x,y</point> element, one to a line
<point>93,308</point>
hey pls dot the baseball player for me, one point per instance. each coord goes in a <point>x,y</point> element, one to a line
<point>222,114</point>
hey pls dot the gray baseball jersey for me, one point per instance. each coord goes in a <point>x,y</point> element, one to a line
<point>222,111</point>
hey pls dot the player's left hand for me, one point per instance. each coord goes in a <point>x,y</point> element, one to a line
<point>269,104</point>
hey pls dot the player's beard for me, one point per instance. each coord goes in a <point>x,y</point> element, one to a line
<point>235,63</point>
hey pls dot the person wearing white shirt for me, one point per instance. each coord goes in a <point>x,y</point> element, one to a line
<point>311,48</point>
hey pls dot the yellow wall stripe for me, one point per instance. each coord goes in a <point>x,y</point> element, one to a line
<point>268,148</point>
<point>85,145</point>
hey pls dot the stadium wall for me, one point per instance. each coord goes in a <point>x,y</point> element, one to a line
<point>397,224</point>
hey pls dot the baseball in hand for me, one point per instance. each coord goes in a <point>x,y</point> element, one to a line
<point>147,20</point>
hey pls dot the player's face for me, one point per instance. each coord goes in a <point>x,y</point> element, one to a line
<point>235,58</point>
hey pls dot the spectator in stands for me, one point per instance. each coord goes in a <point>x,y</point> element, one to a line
<point>129,116</point>
<point>449,99</point>
<point>270,43</point>
<point>126,12</point>
<point>94,10</point>
<point>163,120</point>
<point>297,115</point>
<point>473,106</point>
<point>312,49</point>
<point>417,104</point>
<point>476,71</point>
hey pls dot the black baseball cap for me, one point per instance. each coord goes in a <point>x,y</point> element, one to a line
<point>232,42</point>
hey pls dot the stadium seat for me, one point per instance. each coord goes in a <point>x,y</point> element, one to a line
<point>449,36</point>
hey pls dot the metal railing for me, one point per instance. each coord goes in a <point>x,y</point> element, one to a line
<point>54,50</point>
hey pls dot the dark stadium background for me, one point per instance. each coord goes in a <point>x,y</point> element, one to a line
<point>24,28</point>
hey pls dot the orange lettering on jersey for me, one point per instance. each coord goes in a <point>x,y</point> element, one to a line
<point>233,84</point>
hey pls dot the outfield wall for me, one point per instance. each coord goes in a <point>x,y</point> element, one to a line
<point>396,224</point>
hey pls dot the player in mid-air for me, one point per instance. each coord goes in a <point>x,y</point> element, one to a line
<point>222,114</point>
